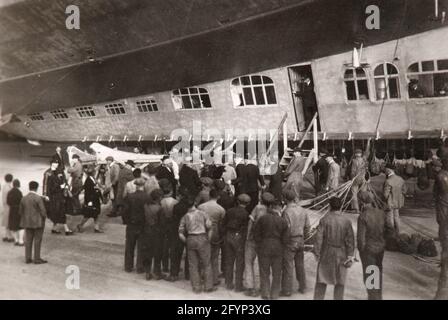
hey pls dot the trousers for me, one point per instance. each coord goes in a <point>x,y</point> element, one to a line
<point>33,236</point>
<point>133,240</point>
<point>270,261</point>
<point>234,248</point>
<point>393,219</point>
<point>321,288</point>
<point>250,254</point>
<point>198,248</point>
<point>293,258</point>
<point>374,287</point>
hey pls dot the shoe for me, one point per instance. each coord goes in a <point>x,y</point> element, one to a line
<point>172,278</point>
<point>217,283</point>
<point>230,287</point>
<point>265,297</point>
<point>148,276</point>
<point>79,229</point>
<point>40,261</point>
<point>4,239</point>
<point>240,289</point>
<point>10,240</point>
<point>251,293</point>
<point>28,261</point>
<point>197,291</point>
<point>159,277</point>
<point>128,270</point>
<point>302,290</point>
<point>211,289</point>
<point>140,271</point>
<point>285,294</point>
<point>17,244</point>
<point>69,233</point>
<point>99,231</point>
<point>55,232</point>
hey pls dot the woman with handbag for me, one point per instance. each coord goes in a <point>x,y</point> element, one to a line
<point>92,201</point>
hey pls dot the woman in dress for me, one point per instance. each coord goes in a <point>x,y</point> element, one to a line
<point>13,200</point>
<point>92,201</point>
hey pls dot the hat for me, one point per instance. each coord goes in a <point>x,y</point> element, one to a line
<point>207,181</point>
<point>366,197</point>
<point>358,151</point>
<point>165,184</point>
<point>244,198</point>
<point>139,182</point>
<point>109,158</point>
<point>219,185</point>
<point>290,195</point>
<point>267,198</point>
<point>437,163</point>
<point>131,163</point>
<point>90,170</point>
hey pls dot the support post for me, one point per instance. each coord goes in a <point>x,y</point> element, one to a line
<point>285,136</point>
<point>315,140</point>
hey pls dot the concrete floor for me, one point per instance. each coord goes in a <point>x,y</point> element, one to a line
<point>100,256</point>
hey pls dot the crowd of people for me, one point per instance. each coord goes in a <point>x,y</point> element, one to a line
<point>221,217</point>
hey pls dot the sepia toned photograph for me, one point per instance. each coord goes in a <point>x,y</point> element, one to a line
<point>210,151</point>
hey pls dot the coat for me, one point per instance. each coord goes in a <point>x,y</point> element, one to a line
<point>13,200</point>
<point>76,173</point>
<point>189,179</point>
<point>371,230</point>
<point>112,175</point>
<point>32,211</point>
<point>91,195</point>
<point>124,176</point>
<point>56,205</point>
<point>333,176</point>
<point>4,212</point>
<point>334,243</point>
<point>240,181</point>
<point>394,190</point>
<point>166,173</point>
<point>253,176</point>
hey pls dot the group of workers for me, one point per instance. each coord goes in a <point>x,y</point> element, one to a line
<point>224,217</point>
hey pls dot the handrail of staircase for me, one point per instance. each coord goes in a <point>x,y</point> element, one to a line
<point>307,130</point>
<point>271,143</point>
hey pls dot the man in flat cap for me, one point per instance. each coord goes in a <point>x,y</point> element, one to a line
<point>394,190</point>
<point>371,241</point>
<point>195,230</point>
<point>357,169</point>
<point>299,230</point>
<point>134,218</point>
<point>235,226</point>
<point>334,249</point>
<point>250,253</point>
<point>271,235</point>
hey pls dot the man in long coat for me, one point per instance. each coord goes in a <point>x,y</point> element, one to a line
<point>441,196</point>
<point>293,173</point>
<point>76,173</point>
<point>334,250</point>
<point>394,190</point>
<point>333,174</point>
